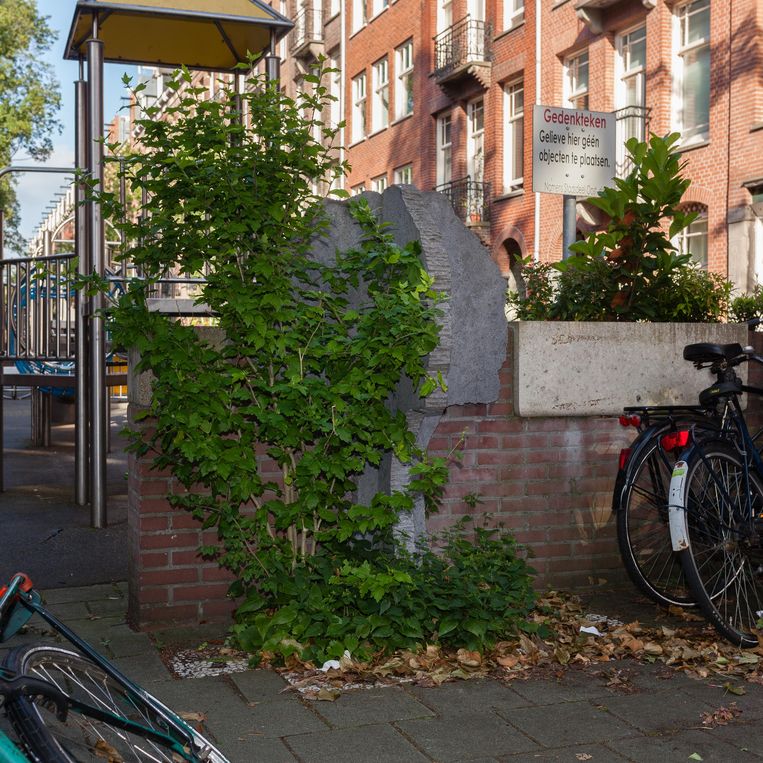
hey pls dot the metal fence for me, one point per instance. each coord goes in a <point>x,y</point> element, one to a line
<point>467,41</point>
<point>469,198</point>
<point>308,27</point>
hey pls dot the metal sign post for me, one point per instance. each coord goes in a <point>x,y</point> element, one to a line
<point>573,155</point>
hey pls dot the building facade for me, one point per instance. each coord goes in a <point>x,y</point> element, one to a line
<point>439,93</point>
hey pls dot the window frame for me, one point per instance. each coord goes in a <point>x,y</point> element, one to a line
<point>359,15</point>
<point>379,183</point>
<point>699,133</point>
<point>513,13</point>
<point>475,141</point>
<point>512,181</point>
<point>572,91</point>
<point>444,149</point>
<point>683,238</point>
<point>403,175</point>
<point>380,89</point>
<point>404,80</point>
<point>359,115</point>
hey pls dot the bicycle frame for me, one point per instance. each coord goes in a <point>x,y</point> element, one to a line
<point>20,593</point>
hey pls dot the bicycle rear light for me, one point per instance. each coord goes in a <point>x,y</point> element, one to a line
<point>630,421</point>
<point>625,454</point>
<point>676,440</point>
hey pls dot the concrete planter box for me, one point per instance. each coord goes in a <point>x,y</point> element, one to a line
<point>589,368</point>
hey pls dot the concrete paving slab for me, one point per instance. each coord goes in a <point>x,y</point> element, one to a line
<point>571,687</point>
<point>743,736</point>
<point>715,694</point>
<point>598,754</point>
<point>145,669</point>
<point>659,713</point>
<point>469,697</point>
<point>371,706</point>
<point>679,746</point>
<point>569,723</point>
<point>121,641</point>
<point>370,744</point>
<point>261,686</point>
<point>247,750</point>
<point>468,736</point>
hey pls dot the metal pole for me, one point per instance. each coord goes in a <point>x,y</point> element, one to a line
<point>272,61</point>
<point>569,224</point>
<point>97,391</point>
<point>83,268</point>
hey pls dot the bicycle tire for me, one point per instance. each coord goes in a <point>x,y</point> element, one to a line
<point>640,502</point>
<point>81,738</point>
<point>722,556</point>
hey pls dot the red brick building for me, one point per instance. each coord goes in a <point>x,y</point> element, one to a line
<point>439,93</point>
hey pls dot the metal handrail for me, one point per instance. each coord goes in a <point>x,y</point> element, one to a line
<point>308,27</point>
<point>467,41</point>
<point>469,198</point>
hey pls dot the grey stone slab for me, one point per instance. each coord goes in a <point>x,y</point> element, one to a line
<point>572,687</point>
<point>468,697</point>
<point>79,593</point>
<point>144,669</point>
<point>262,686</point>
<point>112,605</point>
<point>122,641</point>
<point>371,706</point>
<point>568,723</point>
<point>666,711</point>
<point>714,694</point>
<point>70,610</point>
<point>369,744</point>
<point>598,753</point>
<point>230,716</point>
<point>744,736</point>
<point>678,747</point>
<point>465,737</point>
<point>250,749</point>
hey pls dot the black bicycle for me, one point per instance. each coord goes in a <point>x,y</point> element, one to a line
<point>716,504</point>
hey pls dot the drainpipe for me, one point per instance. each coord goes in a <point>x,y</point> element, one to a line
<point>538,38</point>
<point>342,81</point>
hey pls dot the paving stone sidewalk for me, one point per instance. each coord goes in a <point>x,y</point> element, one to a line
<point>576,718</point>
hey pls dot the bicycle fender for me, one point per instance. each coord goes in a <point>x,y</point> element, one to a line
<point>677,507</point>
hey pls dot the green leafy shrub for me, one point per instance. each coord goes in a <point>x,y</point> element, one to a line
<point>473,592</point>
<point>631,271</point>
<point>310,357</point>
<point>747,306</point>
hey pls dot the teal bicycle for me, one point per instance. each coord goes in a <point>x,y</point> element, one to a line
<point>68,705</point>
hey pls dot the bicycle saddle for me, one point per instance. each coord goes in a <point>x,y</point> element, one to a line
<point>710,353</point>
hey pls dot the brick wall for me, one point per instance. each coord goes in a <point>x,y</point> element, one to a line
<point>547,479</point>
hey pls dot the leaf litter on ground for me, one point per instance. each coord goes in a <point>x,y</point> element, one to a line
<point>684,646</point>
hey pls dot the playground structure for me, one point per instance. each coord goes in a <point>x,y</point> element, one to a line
<point>53,334</point>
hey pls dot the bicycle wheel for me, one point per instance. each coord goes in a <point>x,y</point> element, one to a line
<point>723,558</point>
<point>81,738</point>
<point>643,532</point>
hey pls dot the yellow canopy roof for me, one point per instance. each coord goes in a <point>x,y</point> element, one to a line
<point>201,34</point>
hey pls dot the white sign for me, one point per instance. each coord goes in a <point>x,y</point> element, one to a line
<point>573,150</point>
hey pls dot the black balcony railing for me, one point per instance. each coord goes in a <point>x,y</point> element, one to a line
<point>469,198</point>
<point>630,122</point>
<point>464,43</point>
<point>308,27</point>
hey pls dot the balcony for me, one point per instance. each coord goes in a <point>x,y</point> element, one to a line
<point>591,12</point>
<point>469,198</point>
<point>630,122</point>
<point>307,36</point>
<point>462,53</point>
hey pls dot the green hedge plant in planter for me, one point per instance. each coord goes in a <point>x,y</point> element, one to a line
<point>305,376</point>
<point>631,271</point>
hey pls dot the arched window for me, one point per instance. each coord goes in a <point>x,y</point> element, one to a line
<point>693,239</point>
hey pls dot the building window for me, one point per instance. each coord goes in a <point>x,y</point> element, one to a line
<point>358,189</point>
<point>444,150</point>
<point>514,147</point>
<point>380,102</point>
<point>359,108</point>
<point>475,145</point>
<point>404,175</point>
<point>476,9</point>
<point>378,184</point>
<point>404,84</point>
<point>513,13</point>
<point>444,15</point>
<point>359,17</point>
<point>693,239</point>
<point>335,90</point>
<point>334,7</point>
<point>379,6</point>
<point>576,82</point>
<point>692,75</point>
<point>630,94</point>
